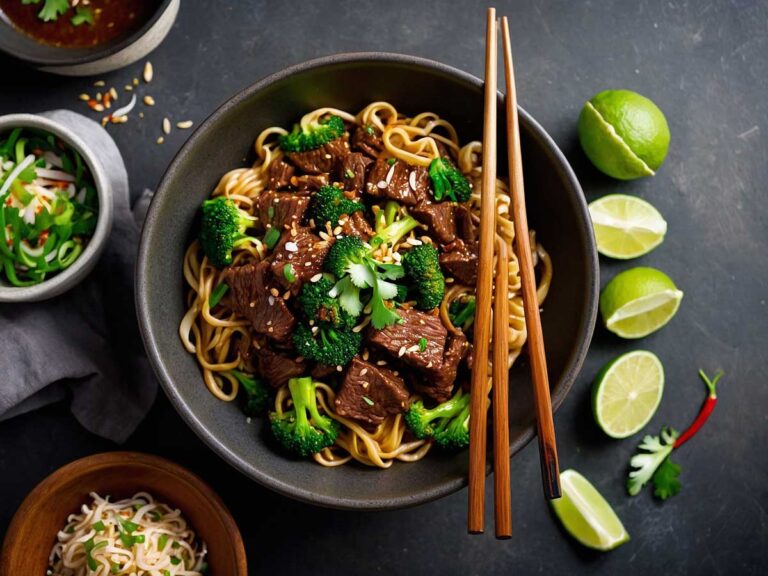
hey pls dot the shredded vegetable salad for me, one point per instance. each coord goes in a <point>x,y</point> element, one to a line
<point>49,206</point>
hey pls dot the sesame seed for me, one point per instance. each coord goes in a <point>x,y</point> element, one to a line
<point>381,363</point>
<point>135,81</point>
<point>141,114</point>
<point>98,108</point>
<point>421,322</point>
<point>315,329</point>
<point>413,348</point>
<point>251,304</point>
<point>339,368</point>
<point>287,295</point>
<point>269,322</point>
<point>98,96</point>
<point>128,88</point>
<point>328,156</point>
<point>390,173</point>
<point>414,242</point>
<point>316,278</point>
<point>270,329</point>
<point>337,230</point>
<point>412,180</point>
<point>396,373</point>
<point>365,354</point>
<point>291,247</point>
<point>149,72</point>
<point>166,126</point>
<point>99,83</point>
<point>364,371</point>
<point>401,351</point>
<point>307,264</point>
<point>381,184</point>
<point>149,101</point>
<point>113,93</point>
<point>184,125</point>
<point>160,140</point>
<point>84,97</point>
<point>274,292</point>
<point>430,364</point>
<point>364,384</point>
<point>271,300</point>
<point>449,280</point>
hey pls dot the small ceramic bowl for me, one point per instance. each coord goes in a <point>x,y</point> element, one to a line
<point>71,276</point>
<point>92,60</point>
<point>32,532</point>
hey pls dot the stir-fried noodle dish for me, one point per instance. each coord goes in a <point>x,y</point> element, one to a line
<point>331,286</point>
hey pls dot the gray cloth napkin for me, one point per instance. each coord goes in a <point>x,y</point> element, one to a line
<point>84,345</point>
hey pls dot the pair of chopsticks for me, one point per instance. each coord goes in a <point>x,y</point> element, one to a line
<point>484,297</point>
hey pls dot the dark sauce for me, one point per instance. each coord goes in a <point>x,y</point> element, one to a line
<point>114,20</point>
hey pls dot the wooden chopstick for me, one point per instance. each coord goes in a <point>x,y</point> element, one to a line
<point>501,484</point>
<point>479,399</point>
<point>550,471</point>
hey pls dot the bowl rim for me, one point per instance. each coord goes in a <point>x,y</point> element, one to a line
<point>82,266</point>
<point>573,362</point>
<point>58,55</point>
<point>114,459</point>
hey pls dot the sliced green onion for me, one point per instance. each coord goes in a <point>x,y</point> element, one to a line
<point>288,272</point>
<point>271,237</point>
<point>423,344</point>
<point>68,252</point>
<point>98,526</point>
<point>175,561</point>
<point>162,541</point>
<point>217,294</point>
<point>138,539</point>
<point>368,401</point>
<point>89,547</point>
<point>115,568</point>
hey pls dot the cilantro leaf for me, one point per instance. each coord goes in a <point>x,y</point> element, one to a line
<point>652,452</point>
<point>26,2</point>
<point>52,9</point>
<point>83,15</point>
<point>665,480</point>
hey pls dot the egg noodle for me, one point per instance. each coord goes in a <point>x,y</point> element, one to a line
<point>133,537</point>
<point>417,141</point>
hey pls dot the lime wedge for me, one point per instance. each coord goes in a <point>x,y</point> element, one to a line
<point>586,515</point>
<point>626,226</point>
<point>627,392</point>
<point>639,301</point>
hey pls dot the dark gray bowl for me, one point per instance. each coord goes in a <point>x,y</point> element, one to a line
<point>94,60</point>
<point>557,211</point>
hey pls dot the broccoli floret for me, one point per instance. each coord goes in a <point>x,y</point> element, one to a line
<point>256,393</point>
<point>327,345</point>
<point>349,260</point>
<point>223,228</point>
<point>422,268</point>
<point>462,314</point>
<point>329,204</point>
<point>447,423</point>
<point>389,229</point>
<point>314,136</point>
<point>448,182</point>
<point>317,303</point>
<point>303,430</point>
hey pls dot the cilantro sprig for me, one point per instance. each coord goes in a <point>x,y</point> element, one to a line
<point>52,9</point>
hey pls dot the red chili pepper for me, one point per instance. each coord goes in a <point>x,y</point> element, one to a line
<point>706,409</point>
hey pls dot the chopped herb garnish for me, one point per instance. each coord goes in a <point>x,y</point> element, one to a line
<point>370,129</point>
<point>155,515</point>
<point>166,573</point>
<point>175,544</point>
<point>213,300</point>
<point>162,541</point>
<point>391,161</point>
<point>271,237</point>
<point>175,561</point>
<point>98,526</point>
<point>422,344</point>
<point>349,173</point>
<point>128,526</point>
<point>288,272</point>
<point>83,15</point>
<point>89,546</point>
<point>51,10</point>
<point>138,506</point>
<point>368,401</point>
<point>270,211</point>
<point>115,568</point>
<point>139,539</point>
<point>70,530</point>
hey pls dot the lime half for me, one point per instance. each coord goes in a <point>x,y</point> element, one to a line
<point>627,392</point>
<point>624,134</point>
<point>639,301</point>
<point>586,515</point>
<point>626,226</point>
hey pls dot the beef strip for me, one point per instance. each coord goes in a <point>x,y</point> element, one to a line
<point>351,171</point>
<point>439,218</point>
<point>368,140</point>
<point>460,261</point>
<point>320,159</point>
<point>280,173</point>
<point>276,369</point>
<point>370,393</point>
<point>399,181</point>
<point>305,253</point>
<point>439,382</point>
<point>415,326</point>
<point>280,209</point>
<point>250,297</point>
<point>465,228</point>
<point>309,182</point>
<point>355,224</point>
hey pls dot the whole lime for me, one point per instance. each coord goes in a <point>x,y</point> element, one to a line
<point>624,134</point>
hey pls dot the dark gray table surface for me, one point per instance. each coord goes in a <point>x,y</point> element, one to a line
<point>706,65</point>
